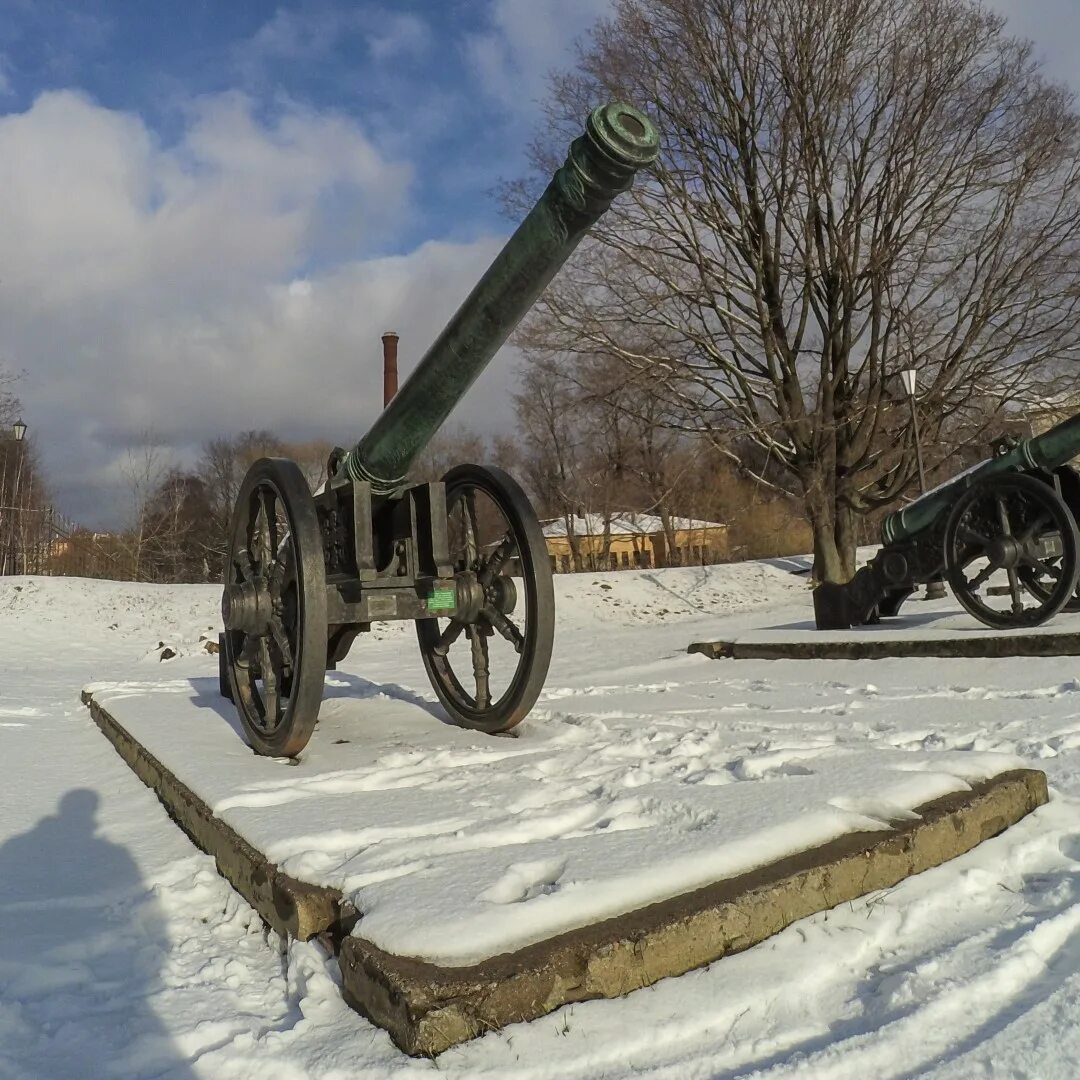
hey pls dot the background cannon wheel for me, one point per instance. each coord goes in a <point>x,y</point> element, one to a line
<point>1040,583</point>
<point>995,528</point>
<point>488,665</point>
<point>274,608</point>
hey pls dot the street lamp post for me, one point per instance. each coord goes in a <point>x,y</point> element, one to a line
<point>18,433</point>
<point>935,589</point>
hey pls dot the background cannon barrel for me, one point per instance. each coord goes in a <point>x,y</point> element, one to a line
<point>1045,452</point>
<point>617,142</point>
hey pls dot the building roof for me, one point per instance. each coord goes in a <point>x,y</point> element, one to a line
<point>625,525</point>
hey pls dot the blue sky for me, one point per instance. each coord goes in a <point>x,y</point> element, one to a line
<point>451,85</point>
<point>209,211</point>
<point>198,194</point>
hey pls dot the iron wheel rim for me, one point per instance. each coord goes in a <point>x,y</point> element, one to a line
<point>1021,509</point>
<point>530,637</point>
<point>275,546</point>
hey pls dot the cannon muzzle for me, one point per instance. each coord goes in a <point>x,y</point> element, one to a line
<point>617,142</point>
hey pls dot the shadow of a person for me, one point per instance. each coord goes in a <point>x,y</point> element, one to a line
<point>81,946</point>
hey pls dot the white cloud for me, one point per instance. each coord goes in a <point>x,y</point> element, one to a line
<point>295,35</point>
<point>396,34</point>
<point>183,289</point>
<point>1054,27</point>
<point>312,32</point>
<point>525,41</point>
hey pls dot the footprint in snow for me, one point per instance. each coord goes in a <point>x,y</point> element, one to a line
<point>525,881</point>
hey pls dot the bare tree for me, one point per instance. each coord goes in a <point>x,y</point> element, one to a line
<point>646,457</point>
<point>221,468</point>
<point>558,465</point>
<point>146,463</point>
<point>177,530</point>
<point>598,439</point>
<point>312,457</point>
<point>845,190</point>
<point>22,490</point>
<point>451,446</point>
<point>9,403</point>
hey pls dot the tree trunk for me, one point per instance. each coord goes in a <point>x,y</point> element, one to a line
<point>847,533</point>
<point>669,531</point>
<point>834,526</point>
<point>574,541</point>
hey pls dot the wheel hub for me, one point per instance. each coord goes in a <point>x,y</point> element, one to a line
<point>470,597</point>
<point>501,594</point>
<point>246,606</point>
<point>1004,551</point>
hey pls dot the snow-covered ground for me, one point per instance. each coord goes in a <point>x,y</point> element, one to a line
<point>122,953</point>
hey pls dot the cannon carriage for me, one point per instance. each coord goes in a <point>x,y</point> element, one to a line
<point>463,558</point>
<point>1003,534</point>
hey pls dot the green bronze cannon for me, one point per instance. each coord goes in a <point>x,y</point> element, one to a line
<point>1003,534</point>
<point>463,558</point>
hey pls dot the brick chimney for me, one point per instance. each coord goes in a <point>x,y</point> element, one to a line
<point>389,366</point>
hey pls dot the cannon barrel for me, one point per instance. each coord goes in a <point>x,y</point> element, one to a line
<point>617,141</point>
<point>1045,452</point>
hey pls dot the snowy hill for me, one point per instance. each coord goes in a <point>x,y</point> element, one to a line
<point>123,954</point>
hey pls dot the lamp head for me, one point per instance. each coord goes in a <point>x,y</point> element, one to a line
<point>19,430</point>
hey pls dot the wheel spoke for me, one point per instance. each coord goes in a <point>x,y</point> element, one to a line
<point>271,703</point>
<point>492,566</point>
<point>281,640</point>
<point>982,577</point>
<point>252,534</point>
<point>1042,568</point>
<point>506,628</point>
<point>282,571</point>
<point>1014,589</point>
<point>246,658</point>
<point>448,637</point>
<point>1003,516</point>
<point>478,640</point>
<point>1035,528</point>
<point>269,534</point>
<point>969,536</point>
<point>472,530</point>
<point>245,565</point>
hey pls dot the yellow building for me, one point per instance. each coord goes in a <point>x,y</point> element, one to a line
<point>633,540</point>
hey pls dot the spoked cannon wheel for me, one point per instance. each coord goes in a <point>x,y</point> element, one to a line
<point>488,664</point>
<point>1013,527</point>
<point>1040,583</point>
<point>274,608</point>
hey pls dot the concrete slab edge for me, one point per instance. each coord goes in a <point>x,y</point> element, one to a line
<point>878,648</point>
<point>428,1008</point>
<point>289,906</point>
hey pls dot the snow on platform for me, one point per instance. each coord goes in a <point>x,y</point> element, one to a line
<point>456,846</point>
<point>121,944</point>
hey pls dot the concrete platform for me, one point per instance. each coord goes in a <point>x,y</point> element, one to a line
<point>881,647</point>
<point>427,1007</point>
<point>939,628</point>
<point>291,907</point>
